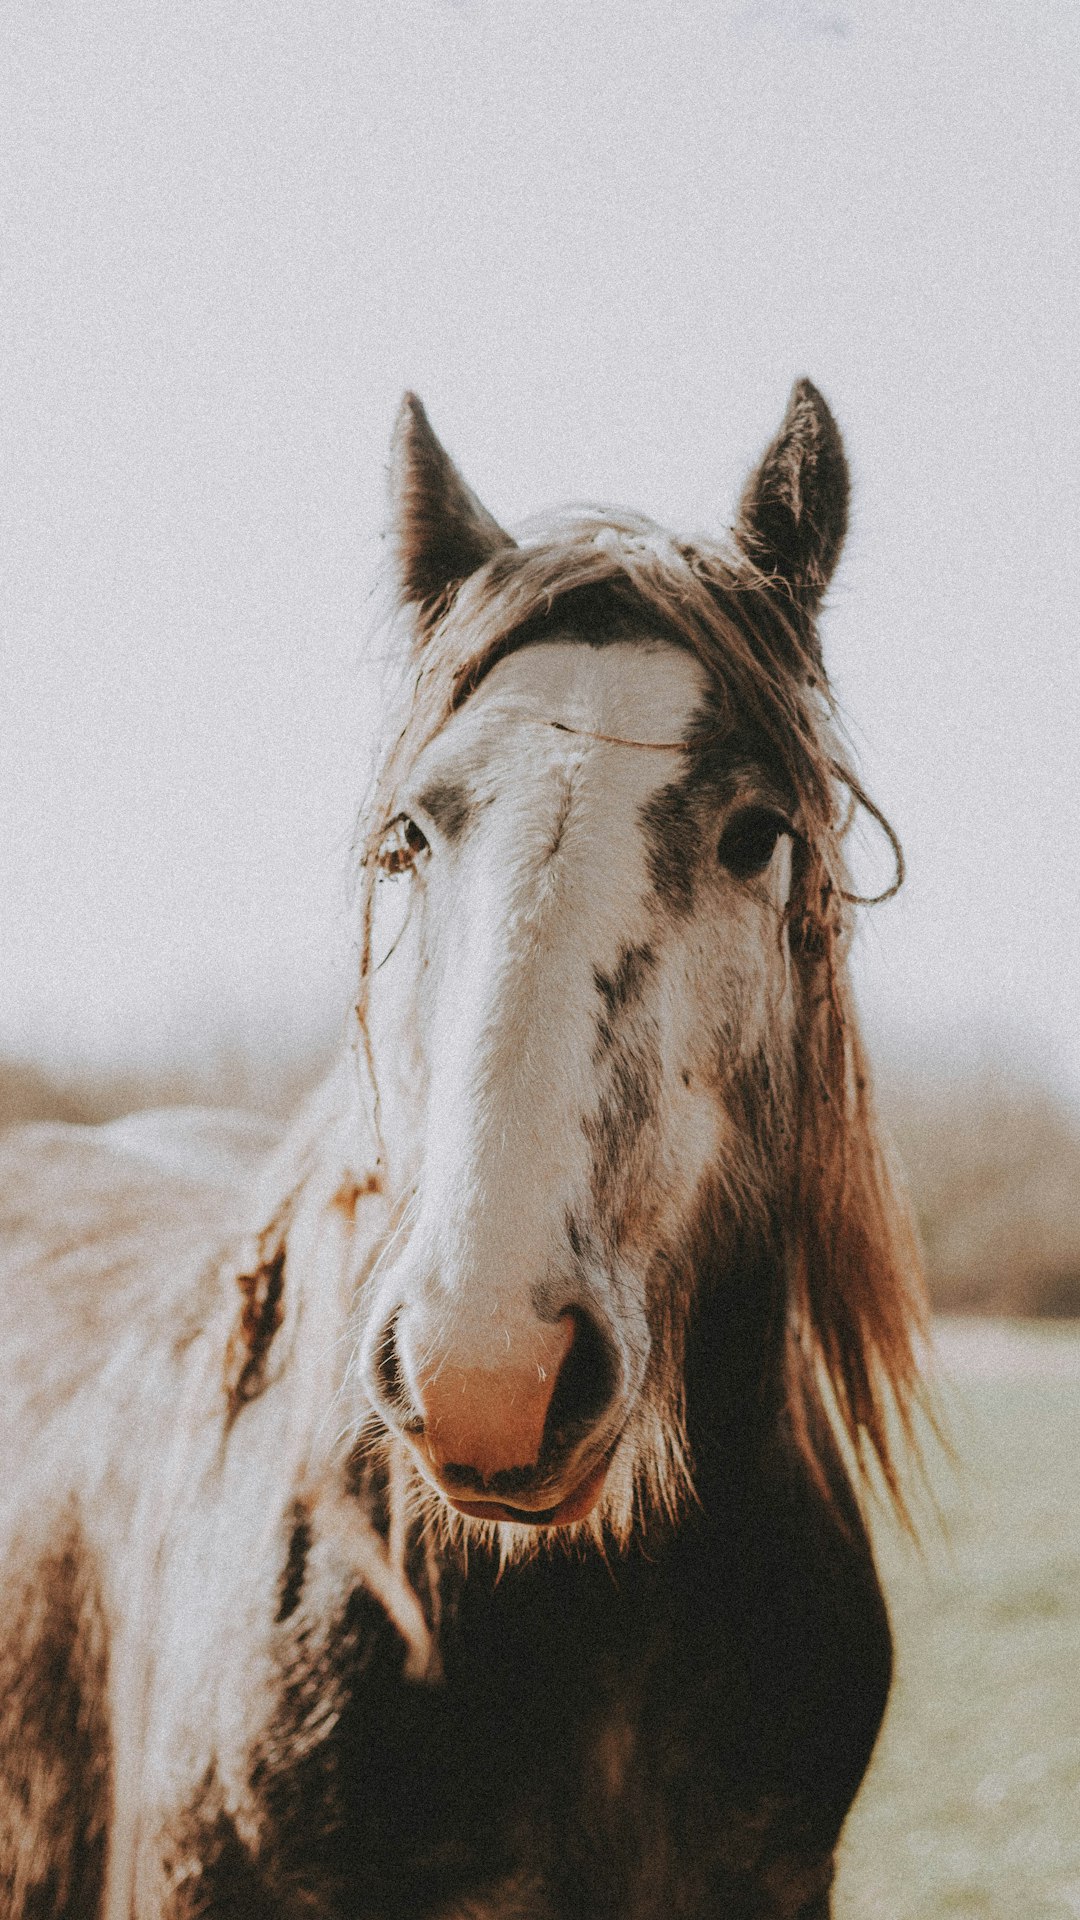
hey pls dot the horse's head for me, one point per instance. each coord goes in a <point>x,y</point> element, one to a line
<point>607,1024</point>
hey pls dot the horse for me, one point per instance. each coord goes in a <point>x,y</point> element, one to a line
<point>454,1506</point>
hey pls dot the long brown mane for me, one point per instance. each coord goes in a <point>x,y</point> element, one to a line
<point>854,1294</point>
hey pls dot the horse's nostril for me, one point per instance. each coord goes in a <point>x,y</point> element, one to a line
<point>586,1384</point>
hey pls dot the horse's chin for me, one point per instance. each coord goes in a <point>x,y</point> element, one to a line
<point>575,1505</point>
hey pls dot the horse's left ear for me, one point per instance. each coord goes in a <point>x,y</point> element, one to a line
<point>794,509</point>
<point>440,530</point>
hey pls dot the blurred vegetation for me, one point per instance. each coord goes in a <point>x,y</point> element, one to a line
<point>993,1166</point>
<point>971,1808</point>
<point>993,1160</point>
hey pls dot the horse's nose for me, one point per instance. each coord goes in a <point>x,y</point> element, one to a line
<point>486,1420</point>
<point>515,1411</point>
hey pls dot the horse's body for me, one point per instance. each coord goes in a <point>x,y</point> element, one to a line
<point>349,1575</point>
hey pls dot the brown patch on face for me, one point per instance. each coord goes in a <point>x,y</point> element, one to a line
<point>261,1313</point>
<point>620,990</point>
<point>450,805</point>
<point>626,1105</point>
<point>627,1058</point>
<point>674,836</point>
<point>631,1100</point>
<point>760,1097</point>
<point>681,820</point>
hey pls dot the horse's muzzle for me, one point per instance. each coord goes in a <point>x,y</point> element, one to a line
<point>523,1440</point>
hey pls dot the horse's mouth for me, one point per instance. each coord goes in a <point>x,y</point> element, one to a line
<point>578,1503</point>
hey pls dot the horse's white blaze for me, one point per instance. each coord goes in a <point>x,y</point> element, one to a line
<point>491,996</point>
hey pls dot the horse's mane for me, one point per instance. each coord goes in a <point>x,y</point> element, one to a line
<point>854,1311</point>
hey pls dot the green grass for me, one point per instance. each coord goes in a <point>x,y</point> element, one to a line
<point>971,1809</point>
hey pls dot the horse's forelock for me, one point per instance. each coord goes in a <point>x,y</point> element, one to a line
<point>601,577</point>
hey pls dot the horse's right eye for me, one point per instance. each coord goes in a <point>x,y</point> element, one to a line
<point>748,842</point>
<point>400,847</point>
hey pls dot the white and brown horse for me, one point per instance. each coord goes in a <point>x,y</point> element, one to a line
<point>442,1513</point>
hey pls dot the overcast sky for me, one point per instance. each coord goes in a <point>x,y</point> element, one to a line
<point>601,237</point>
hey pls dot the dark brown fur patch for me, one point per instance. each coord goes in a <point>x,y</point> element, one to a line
<point>674,842</point>
<point>210,1871</point>
<point>261,1313</point>
<point>295,1568</point>
<point>574,1235</point>
<point>367,1480</point>
<point>54,1741</point>
<point>626,1105</point>
<point>620,989</point>
<point>681,821</point>
<point>624,1109</point>
<point>450,805</point>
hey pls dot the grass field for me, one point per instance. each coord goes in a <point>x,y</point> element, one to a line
<point>971,1810</point>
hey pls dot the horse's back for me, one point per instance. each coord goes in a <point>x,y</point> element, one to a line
<point>110,1237</point>
<point>82,1201</point>
<point>209,1145</point>
<point>52,1166</point>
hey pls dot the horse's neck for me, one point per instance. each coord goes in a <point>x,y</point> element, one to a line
<point>318,1223</point>
<point>735,1364</point>
<point>752,1458</point>
<point>331,1136</point>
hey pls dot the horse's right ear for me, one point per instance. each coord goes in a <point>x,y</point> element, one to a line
<point>440,531</point>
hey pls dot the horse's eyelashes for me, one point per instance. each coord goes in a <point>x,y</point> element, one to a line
<point>402,845</point>
<point>748,842</point>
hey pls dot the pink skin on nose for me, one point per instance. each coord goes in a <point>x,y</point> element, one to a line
<point>492,1418</point>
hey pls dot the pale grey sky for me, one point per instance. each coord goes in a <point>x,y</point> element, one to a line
<point>601,237</point>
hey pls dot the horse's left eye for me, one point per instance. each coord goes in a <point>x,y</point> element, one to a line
<point>748,842</point>
<point>402,845</point>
